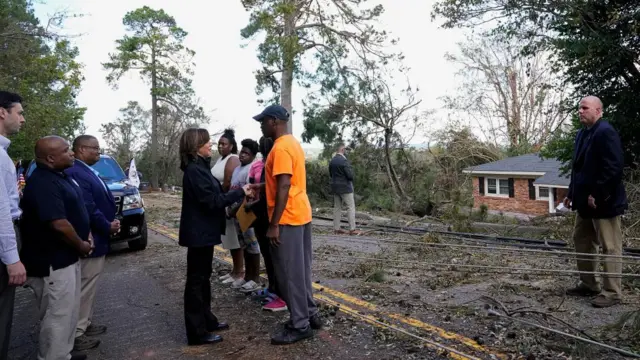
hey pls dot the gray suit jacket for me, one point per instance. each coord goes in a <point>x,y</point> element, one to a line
<point>341,175</point>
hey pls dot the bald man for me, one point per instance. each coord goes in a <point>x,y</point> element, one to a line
<point>55,229</point>
<point>597,194</point>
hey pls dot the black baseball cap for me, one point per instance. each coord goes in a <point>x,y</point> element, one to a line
<point>274,111</point>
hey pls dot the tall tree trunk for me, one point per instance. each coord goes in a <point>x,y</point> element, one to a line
<point>514,124</point>
<point>288,61</point>
<point>393,176</point>
<point>154,122</point>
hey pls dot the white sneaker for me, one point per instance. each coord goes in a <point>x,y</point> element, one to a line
<point>228,280</point>
<point>238,283</point>
<point>250,286</point>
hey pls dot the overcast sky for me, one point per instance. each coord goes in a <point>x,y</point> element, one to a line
<point>224,78</point>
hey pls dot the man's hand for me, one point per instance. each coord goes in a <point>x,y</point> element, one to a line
<point>17,274</point>
<point>273,234</point>
<point>85,248</point>
<point>115,226</point>
<point>248,190</point>
<point>567,202</point>
<point>592,202</point>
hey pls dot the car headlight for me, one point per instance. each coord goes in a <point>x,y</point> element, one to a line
<point>133,201</point>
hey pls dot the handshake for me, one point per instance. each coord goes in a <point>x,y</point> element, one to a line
<point>251,189</point>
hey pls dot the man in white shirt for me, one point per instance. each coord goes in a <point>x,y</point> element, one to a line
<point>12,272</point>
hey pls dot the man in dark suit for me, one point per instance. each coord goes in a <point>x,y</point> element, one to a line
<point>597,193</point>
<point>341,174</point>
<point>102,211</point>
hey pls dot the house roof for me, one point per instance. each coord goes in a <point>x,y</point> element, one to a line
<point>553,178</point>
<point>547,171</point>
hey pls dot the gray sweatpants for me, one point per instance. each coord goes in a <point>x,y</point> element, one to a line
<point>292,263</point>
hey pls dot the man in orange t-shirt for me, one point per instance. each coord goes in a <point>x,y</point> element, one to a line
<point>289,226</point>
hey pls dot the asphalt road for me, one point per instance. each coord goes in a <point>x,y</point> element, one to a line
<point>140,301</point>
<point>141,319</point>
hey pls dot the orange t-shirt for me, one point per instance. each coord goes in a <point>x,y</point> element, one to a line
<point>287,157</point>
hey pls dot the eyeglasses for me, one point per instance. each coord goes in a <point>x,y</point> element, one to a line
<point>96,148</point>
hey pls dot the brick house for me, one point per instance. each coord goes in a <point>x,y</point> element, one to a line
<point>524,184</point>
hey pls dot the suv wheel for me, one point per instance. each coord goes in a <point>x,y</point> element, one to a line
<point>141,243</point>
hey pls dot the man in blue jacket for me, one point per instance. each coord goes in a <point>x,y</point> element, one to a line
<point>102,211</point>
<point>597,193</point>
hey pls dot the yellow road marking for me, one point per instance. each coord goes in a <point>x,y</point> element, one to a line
<point>224,254</point>
<point>406,320</point>
<point>375,322</point>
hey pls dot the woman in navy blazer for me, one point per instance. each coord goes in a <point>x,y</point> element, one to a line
<point>202,221</point>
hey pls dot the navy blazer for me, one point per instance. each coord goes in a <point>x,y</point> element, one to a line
<point>100,205</point>
<point>597,170</point>
<point>341,174</point>
<point>203,216</point>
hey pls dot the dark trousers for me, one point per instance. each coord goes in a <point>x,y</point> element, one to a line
<point>7,296</point>
<point>292,261</point>
<point>198,317</point>
<point>6,311</point>
<point>265,250</point>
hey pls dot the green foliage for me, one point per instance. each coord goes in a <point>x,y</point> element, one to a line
<point>154,48</point>
<point>323,32</point>
<point>561,145</point>
<point>596,45</point>
<point>41,67</point>
<point>318,182</point>
<point>483,212</point>
<point>123,136</point>
<point>457,149</point>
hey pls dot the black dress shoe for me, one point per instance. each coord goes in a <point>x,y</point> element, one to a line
<point>219,327</point>
<point>78,356</point>
<point>206,339</point>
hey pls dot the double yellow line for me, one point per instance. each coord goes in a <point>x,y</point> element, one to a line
<point>371,314</point>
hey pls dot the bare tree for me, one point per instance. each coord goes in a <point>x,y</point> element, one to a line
<point>373,109</point>
<point>512,98</point>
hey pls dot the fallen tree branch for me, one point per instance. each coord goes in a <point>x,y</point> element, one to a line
<point>511,313</point>
<point>613,348</point>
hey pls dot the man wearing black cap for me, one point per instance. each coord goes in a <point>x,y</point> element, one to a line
<point>289,226</point>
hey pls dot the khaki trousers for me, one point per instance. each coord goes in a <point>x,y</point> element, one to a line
<point>346,199</point>
<point>588,234</point>
<point>57,297</point>
<point>90,270</point>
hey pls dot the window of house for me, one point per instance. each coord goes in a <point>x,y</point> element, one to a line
<point>543,193</point>
<point>497,187</point>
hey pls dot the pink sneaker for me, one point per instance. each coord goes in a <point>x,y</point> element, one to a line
<point>275,305</point>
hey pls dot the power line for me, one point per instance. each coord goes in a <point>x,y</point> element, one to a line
<point>417,265</point>
<point>532,252</point>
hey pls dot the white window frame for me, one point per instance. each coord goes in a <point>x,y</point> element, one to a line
<point>498,193</point>
<point>538,197</point>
